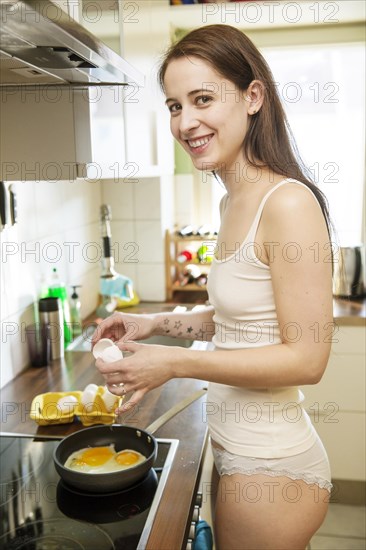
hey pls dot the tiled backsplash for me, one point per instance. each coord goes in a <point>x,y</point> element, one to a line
<point>58,226</point>
<point>56,221</point>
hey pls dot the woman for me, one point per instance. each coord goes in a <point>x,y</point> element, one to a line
<point>270,317</point>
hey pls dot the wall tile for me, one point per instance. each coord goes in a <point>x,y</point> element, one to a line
<point>14,351</point>
<point>26,205</point>
<point>125,249</point>
<point>184,199</point>
<point>50,213</point>
<point>4,300</point>
<point>17,270</point>
<point>150,241</point>
<point>89,292</point>
<point>83,251</point>
<point>119,195</point>
<point>151,282</point>
<point>167,194</point>
<point>147,199</point>
<point>82,200</point>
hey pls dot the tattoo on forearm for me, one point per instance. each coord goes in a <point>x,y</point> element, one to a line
<point>179,328</point>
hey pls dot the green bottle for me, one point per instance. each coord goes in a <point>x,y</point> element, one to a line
<point>57,289</point>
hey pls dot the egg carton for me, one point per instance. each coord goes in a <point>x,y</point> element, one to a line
<point>46,412</point>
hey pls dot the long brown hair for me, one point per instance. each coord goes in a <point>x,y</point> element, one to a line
<point>269,141</point>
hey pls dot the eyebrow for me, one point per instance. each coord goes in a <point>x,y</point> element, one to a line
<point>193,92</point>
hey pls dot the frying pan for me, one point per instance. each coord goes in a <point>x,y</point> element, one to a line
<point>123,437</point>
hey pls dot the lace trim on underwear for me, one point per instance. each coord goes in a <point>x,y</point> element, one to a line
<point>309,479</point>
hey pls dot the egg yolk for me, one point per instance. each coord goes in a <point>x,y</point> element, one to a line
<point>127,458</point>
<point>96,456</point>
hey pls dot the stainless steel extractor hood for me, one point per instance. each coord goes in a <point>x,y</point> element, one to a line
<point>41,44</point>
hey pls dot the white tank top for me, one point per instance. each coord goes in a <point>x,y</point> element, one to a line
<point>263,422</point>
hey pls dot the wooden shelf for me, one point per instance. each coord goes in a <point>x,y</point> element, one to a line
<point>198,238</point>
<point>174,245</point>
<point>189,287</point>
<point>191,262</point>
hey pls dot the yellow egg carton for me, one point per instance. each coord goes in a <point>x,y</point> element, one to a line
<point>96,412</point>
<point>45,412</point>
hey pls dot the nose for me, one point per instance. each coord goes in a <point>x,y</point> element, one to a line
<point>187,121</point>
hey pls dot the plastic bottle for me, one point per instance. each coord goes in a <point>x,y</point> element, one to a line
<point>57,289</point>
<point>75,307</point>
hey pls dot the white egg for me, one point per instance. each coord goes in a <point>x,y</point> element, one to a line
<point>110,400</point>
<point>67,403</point>
<point>113,353</point>
<point>88,396</point>
<point>102,460</point>
<point>100,346</point>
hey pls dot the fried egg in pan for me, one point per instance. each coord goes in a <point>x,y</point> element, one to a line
<point>102,460</point>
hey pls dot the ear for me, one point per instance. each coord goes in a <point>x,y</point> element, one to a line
<point>254,96</point>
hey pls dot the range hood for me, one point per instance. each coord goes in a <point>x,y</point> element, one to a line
<point>41,44</point>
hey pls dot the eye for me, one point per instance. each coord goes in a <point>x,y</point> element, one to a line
<point>174,107</point>
<point>203,99</point>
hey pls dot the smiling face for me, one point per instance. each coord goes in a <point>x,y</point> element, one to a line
<point>209,114</point>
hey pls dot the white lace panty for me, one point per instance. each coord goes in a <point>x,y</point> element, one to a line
<point>311,466</point>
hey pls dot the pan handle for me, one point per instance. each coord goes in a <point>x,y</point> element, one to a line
<point>175,410</point>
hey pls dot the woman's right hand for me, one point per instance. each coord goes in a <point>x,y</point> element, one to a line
<point>121,327</point>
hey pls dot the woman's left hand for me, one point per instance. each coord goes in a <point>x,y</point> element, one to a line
<point>148,367</point>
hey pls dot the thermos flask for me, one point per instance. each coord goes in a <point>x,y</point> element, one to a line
<point>50,313</point>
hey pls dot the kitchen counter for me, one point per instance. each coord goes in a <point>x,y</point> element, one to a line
<point>74,372</point>
<point>77,369</point>
<point>345,311</point>
<point>349,312</point>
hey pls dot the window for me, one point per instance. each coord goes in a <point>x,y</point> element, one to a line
<point>323,92</point>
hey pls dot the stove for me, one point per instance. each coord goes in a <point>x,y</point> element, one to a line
<point>38,511</point>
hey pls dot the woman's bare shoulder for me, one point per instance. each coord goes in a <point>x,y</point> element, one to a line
<point>292,198</point>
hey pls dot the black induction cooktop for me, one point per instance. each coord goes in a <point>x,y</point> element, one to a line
<point>38,511</point>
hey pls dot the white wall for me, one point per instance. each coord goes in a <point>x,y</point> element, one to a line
<point>140,216</point>
<point>58,226</point>
<point>51,216</point>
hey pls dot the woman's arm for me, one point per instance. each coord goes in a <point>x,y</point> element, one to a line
<point>193,325</point>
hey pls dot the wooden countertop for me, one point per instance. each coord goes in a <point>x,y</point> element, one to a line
<point>349,312</point>
<point>345,311</point>
<point>74,372</point>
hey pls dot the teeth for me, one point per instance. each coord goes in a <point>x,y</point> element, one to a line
<point>199,142</point>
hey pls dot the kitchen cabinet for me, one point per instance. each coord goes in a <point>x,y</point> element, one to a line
<point>45,133</point>
<point>62,102</point>
<point>336,404</point>
<point>60,133</point>
<point>176,267</point>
